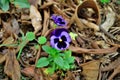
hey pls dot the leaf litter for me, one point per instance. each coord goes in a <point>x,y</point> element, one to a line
<point>95,45</point>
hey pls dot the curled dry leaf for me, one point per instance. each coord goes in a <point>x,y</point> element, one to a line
<point>91,70</point>
<point>12,67</point>
<point>35,18</point>
<point>93,51</point>
<point>87,7</point>
<point>90,11</point>
<point>110,19</point>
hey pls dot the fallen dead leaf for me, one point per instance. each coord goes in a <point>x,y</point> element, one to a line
<point>15,26</point>
<point>90,25</point>
<point>91,70</point>
<point>35,18</point>
<point>9,40</point>
<point>46,21</point>
<point>110,19</point>
<point>93,51</point>
<point>12,67</point>
<point>28,71</point>
<point>69,76</point>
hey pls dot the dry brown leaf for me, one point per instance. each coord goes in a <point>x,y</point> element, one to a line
<point>90,25</point>
<point>82,13</point>
<point>116,71</point>
<point>15,26</point>
<point>70,76</point>
<point>9,40</point>
<point>91,70</point>
<point>8,28</point>
<point>46,22</point>
<point>112,65</point>
<point>93,9</point>
<point>12,67</point>
<point>110,19</point>
<point>93,51</point>
<point>35,18</point>
<point>29,71</point>
<point>2,58</point>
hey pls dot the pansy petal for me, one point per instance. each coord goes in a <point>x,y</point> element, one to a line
<point>59,20</point>
<point>56,46</point>
<point>61,44</point>
<point>66,35</point>
<point>52,42</point>
<point>54,17</point>
<point>67,44</point>
<point>60,39</point>
<point>57,32</point>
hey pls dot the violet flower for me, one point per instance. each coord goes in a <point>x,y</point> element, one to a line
<point>59,20</point>
<point>60,39</point>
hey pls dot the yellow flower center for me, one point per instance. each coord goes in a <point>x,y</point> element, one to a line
<point>60,40</point>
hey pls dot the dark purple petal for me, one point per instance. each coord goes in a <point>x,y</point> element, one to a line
<point>52,42</point>
<point>59,20</point>
<point>57,32</point>
<point>54,17</point>
<point>60,39</point>
<point>61,44</point>
<point>63,38</point>
<point>58,46</point>
<point>66,35</point>
<point>56,40</point>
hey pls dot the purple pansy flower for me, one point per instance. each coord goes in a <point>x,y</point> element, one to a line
<point>59,20</point>
<point>60,39</point>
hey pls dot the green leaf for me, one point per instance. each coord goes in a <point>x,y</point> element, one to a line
<point>59,61</point>
<point>70,60</point>
<point>104,1</point>
<point>68,53</point>
<point>4,5</point>
<point>48,49</point>
<point>72,66</point>
<point>42,40</point>
<point>66,66</point>
<point>30,36</point>
<point>73,35</point>
<point>22,3</point>
<point>42,62</point>
<point>50,70</point>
